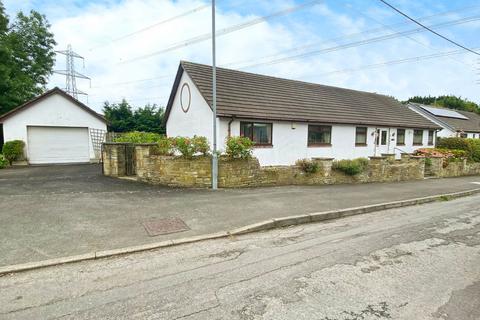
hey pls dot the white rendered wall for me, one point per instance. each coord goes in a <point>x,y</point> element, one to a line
<point>196,121</point>
<point>54,110</point>
<point>290,144</point>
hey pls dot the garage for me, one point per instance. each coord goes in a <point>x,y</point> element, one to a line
<point>57,145</point>
<point>56,128</point>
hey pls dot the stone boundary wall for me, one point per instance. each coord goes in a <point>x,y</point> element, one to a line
<point>180,172</point>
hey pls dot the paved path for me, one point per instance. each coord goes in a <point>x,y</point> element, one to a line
<point>56,211</point>
<point>411,263</point>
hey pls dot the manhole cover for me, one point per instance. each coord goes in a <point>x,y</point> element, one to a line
<point>165,226</point>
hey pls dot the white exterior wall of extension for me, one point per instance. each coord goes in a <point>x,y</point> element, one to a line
<point>289,140</point>
<point>53,111</point>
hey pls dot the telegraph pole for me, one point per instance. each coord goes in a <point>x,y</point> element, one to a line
<point>70,73</point>
<point>214,105</point>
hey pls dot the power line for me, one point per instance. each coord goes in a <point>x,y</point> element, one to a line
<point>394,62</point>
<point>351,35</point>
<point>431,30</point>
<point>357,43</point>
<point>426,45</point>
<point>225,31</point>
<point>128,35</point>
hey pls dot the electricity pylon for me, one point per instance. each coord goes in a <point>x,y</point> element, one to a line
<point>70,73</point>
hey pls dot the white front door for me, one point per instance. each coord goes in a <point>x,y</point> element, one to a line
<point>382,141</point>
<point>57,145</point>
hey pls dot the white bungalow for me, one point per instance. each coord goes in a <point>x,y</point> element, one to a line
<point>290,120</point>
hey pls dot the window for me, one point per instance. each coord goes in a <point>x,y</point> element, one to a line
<point>400,137</point>
<point>417,137</point>
<point>361,136</point>
<point>381,138</point>
<point>319,135</point>
<point>259,133</point>
<point>463,135</point>
<point>431,135</point>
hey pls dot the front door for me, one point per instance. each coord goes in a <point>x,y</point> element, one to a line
<point>381,141</point>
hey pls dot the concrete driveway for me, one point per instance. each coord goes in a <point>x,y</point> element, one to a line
<point>54,211</point>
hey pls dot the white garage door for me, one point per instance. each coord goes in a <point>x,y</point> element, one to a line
<point>57,145</point>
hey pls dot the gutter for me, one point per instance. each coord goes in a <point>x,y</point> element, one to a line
<point>230,126</point>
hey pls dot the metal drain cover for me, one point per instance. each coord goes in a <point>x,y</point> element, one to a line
<point>165,226</point>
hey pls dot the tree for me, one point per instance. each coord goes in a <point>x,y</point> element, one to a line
<point>447,101</point>
<point>149,119</point>
<point>122,118</point>
<point>26,57</point>
<point>119,116</point>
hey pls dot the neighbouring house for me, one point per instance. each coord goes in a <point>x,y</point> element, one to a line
<point>290,120</point>
<point>56,128</point>
<point>454,123</point>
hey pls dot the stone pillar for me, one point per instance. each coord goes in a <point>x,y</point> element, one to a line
<point>325,165</point>
<point>113,156</point>
<point>389,156</point>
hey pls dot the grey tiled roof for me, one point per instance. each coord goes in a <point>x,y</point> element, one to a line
<point>249,95</point>
<point>472,124</point>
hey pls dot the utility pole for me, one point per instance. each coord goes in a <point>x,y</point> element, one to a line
<point>214,105</point>
<point>70,73</point>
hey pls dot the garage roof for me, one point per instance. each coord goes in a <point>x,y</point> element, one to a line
<point>248,95</point>
<point>47,94</point>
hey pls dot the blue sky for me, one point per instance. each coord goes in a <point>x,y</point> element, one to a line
<point>319,43</point>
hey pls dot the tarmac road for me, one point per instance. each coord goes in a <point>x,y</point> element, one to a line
<point>420,262</point>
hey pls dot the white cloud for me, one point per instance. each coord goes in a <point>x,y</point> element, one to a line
<point>91,30</point>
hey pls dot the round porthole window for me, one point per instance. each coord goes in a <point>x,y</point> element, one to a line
<point>185,97</point>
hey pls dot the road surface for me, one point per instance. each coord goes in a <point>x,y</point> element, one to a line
<point>420,262</point>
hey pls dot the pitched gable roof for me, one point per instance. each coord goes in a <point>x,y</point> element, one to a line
<point>45,95</point>
<point>248,95</point>
<point>472,124</point>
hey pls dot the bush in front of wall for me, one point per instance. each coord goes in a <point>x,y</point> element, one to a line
<point>201,145</point>
<point>185,146</point>
<point>3,162</point>
<point>139,137</point>
<point>351,167</point>
<point>13,150</point>
<point>307,166</point>
<point>164,147</point>
<point>239,148</point>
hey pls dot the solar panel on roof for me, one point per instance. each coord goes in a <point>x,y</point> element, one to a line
<point>444,113</point>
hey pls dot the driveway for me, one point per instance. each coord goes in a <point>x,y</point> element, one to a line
<point>54,211</point>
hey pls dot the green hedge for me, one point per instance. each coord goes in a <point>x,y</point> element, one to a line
<point>139,137</point>
<point>13,150</point>
<point>470,146</point>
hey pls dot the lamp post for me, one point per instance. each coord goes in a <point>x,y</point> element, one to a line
<point>214,105</point>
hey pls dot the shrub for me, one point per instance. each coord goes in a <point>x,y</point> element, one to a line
<point>470,146</point>
<point>13,150</point>
<point>307,166</point>
<point>139,137</point>
<point>351,167</point>
<point>201,145</point>
<point>239,147</point>
<point>185,146</point>
<point>441,152</point>
<point>3,162</point>
<point>164,147</point>
<point>453,143</point>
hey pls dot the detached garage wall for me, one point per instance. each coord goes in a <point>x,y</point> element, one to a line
<point>53,111</point>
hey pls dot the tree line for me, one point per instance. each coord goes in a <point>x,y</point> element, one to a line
<point>447,101</point>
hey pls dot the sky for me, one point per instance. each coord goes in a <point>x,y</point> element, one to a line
<point>356,44</point>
